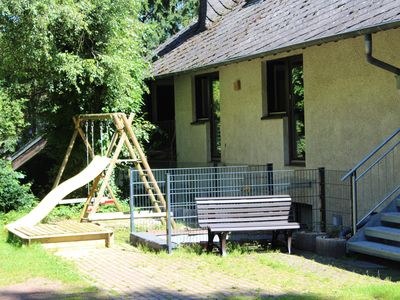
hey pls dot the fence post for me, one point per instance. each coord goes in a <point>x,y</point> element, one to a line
<point>322,198</point>
<point>270,178</point>
<point>131,202</point>
<point>168,211</point>
<point>353,179</point>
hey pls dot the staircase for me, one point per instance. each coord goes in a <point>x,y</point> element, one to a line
<point>380,236</point>
<point>376,201</point>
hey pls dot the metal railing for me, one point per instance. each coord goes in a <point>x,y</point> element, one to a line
<point>184,184</point>
<point>375,180</point>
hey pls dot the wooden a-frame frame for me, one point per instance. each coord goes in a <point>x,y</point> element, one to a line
<point>124,136</point>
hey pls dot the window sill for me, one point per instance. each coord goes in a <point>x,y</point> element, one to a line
<point>271,117</point>
<point>297,163</point>
<point>199,121</point>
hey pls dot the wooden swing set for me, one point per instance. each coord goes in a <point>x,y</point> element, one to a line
<point>99,172</point>
<point>122,137</point>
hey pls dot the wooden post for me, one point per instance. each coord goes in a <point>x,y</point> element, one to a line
<point>138,167</point>
<point>90,196</point>
<point>66,157</point>
<point>143,159</point>
<point>112,144</point>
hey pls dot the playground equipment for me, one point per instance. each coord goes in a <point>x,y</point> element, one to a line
<point>98,172</point>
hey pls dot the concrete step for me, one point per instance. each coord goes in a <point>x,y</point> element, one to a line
<point>383,232</point>
<point>391,217</point>
<point>375,249</point>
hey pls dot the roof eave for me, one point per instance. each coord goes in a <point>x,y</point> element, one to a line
<point>328,39</point>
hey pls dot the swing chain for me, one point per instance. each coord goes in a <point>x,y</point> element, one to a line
<point>87,150</point>
<point>92,130</point>
<point>101,138</point>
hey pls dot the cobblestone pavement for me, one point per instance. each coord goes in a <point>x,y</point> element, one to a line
<point>130,274</point>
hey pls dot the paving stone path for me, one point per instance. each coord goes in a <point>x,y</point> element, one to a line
<point>129,274</point>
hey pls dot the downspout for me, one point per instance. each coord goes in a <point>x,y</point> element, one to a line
<point>378,63</point>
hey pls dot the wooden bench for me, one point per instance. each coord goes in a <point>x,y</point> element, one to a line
<point>222,215</point>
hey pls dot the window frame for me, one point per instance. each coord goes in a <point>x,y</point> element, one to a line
<point>204,94</point>
<point>287,62</point>
<point>270,87</point>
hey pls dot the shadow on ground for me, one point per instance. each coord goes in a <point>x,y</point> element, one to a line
<point>151,294</point>
<point>360,264</point>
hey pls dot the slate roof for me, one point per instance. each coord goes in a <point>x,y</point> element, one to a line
<point>239,29</point>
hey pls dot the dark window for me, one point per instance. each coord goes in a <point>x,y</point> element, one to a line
<point>208,108</point>
<point>277,83</point>
<point>165,102</point>
<point>203,91</point>
<point>285,97</point>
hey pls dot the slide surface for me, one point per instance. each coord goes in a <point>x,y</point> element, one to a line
<point>45,206</point>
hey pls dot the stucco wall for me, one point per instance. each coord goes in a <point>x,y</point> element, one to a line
<point>192,143</point>
<point>350,107</point>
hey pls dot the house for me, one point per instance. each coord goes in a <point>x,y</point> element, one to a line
<point>283,82</point>
<point>299,84</point>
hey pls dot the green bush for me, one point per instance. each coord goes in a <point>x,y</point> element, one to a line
<point>13,194</point>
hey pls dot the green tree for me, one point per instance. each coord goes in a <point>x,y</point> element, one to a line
<point>11,122</point>
<point>167,17</point>
<point>69,57</point>
<point>13,194</point>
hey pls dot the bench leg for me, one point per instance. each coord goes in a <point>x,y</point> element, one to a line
<point>274,238</point>
<point>222,240</point>
<point>210,243</point>
<point>289,241</point>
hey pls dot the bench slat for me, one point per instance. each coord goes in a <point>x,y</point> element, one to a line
<point>243,215</point>
<point>246,224</point>
<point>257,228</point>
<point>241,220</point>
<point>238,211</point>
<point>271,204</point>
<point>244,197</point>
<point>230,201</point>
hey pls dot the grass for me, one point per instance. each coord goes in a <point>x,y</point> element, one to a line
<point>18,263</point>
<point>286,277</point>
<point>290,277</point>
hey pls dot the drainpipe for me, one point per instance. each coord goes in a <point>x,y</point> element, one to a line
<point>378,63</point>
<point>202,15</point>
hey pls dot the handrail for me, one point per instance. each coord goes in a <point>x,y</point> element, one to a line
<point>378,160</point>
<point>352,171</point>
<point>354,179</point>
<point>379,204</point>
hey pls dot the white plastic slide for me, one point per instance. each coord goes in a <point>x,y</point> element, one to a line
<point>48,203</point>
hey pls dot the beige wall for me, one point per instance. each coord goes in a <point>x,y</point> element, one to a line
<point>350,107</point>
<point>191,140</point>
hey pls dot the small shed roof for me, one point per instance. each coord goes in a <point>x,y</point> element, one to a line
<point>241,29</point>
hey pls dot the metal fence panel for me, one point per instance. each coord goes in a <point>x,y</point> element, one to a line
<point>303,185</point>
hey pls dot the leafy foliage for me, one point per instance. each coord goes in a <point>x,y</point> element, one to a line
<point>11,122</point>
<point>298,91</point>
<point>72,57</point>
<point>167,17</point>
<point>13,195</point>
<point>69,57</point>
